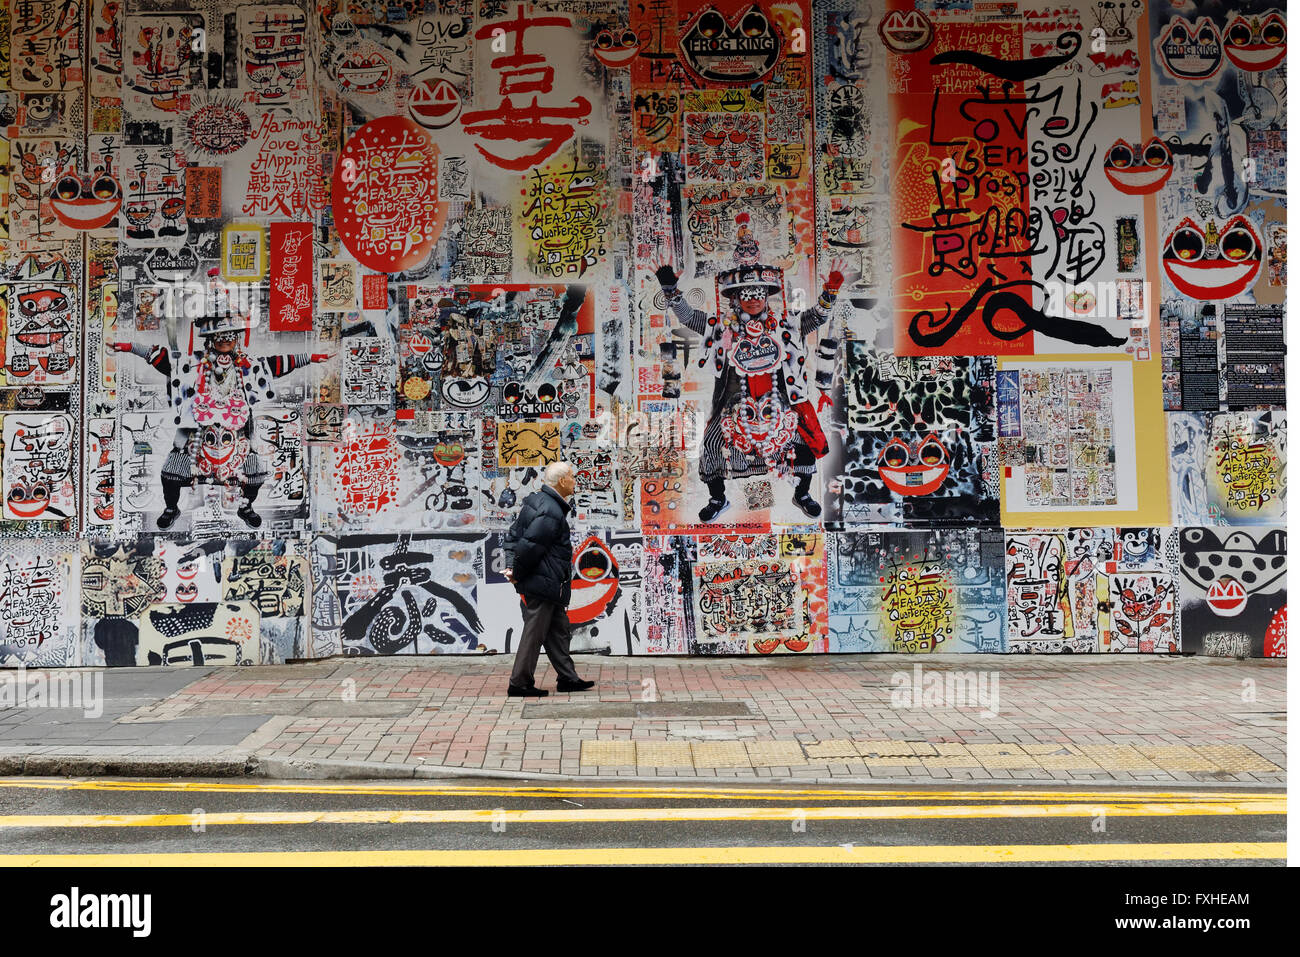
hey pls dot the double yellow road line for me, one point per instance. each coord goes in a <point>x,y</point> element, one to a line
<point>646,815</point>
<point>606,856</point>
<point>822,805</point>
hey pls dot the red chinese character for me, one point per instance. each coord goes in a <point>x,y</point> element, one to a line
<point>524,124</point>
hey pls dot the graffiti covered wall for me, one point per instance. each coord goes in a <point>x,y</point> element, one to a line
<point>868,325</point>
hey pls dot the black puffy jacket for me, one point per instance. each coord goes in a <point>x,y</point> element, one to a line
<point>539,548</point>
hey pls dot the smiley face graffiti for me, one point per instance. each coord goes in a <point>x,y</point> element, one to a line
<point>1209,264</point>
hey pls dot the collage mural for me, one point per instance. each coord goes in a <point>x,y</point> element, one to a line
<point>868,325</point>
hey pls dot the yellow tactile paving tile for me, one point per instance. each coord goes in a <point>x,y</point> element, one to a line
<point>993,756</point>
<point>994,748</point>
<point>719,754</point>
<point>1177,757</point>
<point>952,761</point>
<point>1066,762</point>
<point>831,749</point>
<point>663,754</point>
<point>951,748</point>
<point>892,749</point>
<point>775,754</point>
<point>1236,758</point>
<point>1119,757</point>
<point>609,754</point>
<point>1060,757</point>
<point>1008,761</point>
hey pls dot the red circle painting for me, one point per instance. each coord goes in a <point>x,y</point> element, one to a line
<point>385,195</point>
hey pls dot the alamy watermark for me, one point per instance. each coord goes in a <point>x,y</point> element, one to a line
<point>945,689</point>
<point>82,690</point>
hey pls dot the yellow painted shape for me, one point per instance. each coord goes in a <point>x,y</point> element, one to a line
<point>411,788</point>
<point>719,754</point>
<point>604,856</point>
<point>648,814</point>
<point>775,754</point>
<point>663,754</point>
<point>609,753</point>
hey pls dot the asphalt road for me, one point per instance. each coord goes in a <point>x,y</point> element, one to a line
<point>471,822</point>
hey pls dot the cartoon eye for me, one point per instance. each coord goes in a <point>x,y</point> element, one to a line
<point>754,24</point>
<point>104,188</point>
<point>1120,156</point>
<point>895,454</point>
<point>932,452</point>
<point>1239,34</point>
<point>1178,34</point>
<point>1236,244</point>
<point>1206,36</point>
<point>1187,244</point>
<point>629,38</point>
<point>1274,33</point>
<point>604,40</point>
<point>1156,154</point>
<point>69,187</point>
<point>712,24</point>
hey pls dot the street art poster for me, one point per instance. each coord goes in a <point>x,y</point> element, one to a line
<point>916,592</point>
<point>1233,591</point>
<point>866,326</point>
<point>192,602</point>
<point>1083,590</point>
<point>38,604</point>
<point>408,594</point>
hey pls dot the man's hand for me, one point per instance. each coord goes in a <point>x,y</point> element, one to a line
<point>510,575</point>
<point>320,356</point>
<point>121,347</point>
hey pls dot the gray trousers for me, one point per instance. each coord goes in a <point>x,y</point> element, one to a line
<point>546,624</point>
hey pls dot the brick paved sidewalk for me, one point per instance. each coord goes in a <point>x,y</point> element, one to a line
<point>1089,720</point>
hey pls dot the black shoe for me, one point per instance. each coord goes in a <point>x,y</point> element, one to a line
<point>250,517</point>
<point>562,685</point>
<point>529,692</point>
<point>808,504</point>
<point>715,508</point>
<point>168,516</point>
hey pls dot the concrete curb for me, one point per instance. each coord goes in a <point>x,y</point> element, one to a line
<point>290,769</point>
<point>125,765</point>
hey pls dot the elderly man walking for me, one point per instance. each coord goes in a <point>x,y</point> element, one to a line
<point>540,558</point>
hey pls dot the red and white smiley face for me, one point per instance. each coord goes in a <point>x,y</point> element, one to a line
<point>906,31</point>
<point>1206,265</point>
<point>616,48</point>
<point>364,72</point>
<point>28,500</point>
<point>595,581</point>
<point>86,203</point>
<point>221,450</point>
<point>1255,44</point>
<point>435,104</point>
<point>918,468</point>
<point>1139,171</point>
